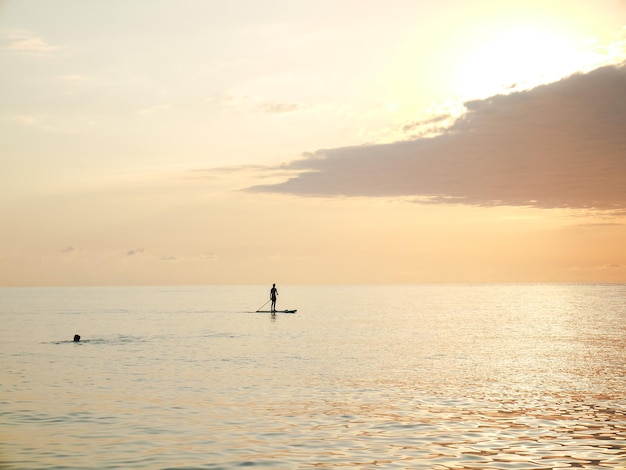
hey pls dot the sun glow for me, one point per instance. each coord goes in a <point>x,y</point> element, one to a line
<point>518,57</point>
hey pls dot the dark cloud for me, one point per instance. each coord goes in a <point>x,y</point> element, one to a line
<point>135,251</point>
<point>68,249</point>
<point>557,145</point>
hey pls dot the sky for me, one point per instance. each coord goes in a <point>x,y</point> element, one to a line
<point>162,142</point>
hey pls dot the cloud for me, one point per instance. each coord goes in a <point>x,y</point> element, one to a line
<point>73,78</point>
<point>206,256</point>
<point>250,103</point>
<point>279,108</point>
<point>429,127</point>
<point>614,266</point>
<point>610,267</point>
<point>135,251</point>
<point>595,225</point>
<point>48,123</point>
<point>27,43</point>
<point>28,120</point>
<point>557,145</point>
<point>154,109</point>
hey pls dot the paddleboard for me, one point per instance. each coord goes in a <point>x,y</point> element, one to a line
<point>277,311</point>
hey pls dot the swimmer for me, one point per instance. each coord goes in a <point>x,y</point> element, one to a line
<point>76,338</point>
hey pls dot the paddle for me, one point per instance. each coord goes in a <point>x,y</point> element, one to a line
<point>263,305</point>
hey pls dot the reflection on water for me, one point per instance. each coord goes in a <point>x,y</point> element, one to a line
<point>464,434</point>
<point>440,377</point>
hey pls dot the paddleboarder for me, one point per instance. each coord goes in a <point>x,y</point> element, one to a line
<point>273,294</point>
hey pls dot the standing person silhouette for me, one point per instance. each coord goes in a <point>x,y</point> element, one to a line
<point>273,294</point>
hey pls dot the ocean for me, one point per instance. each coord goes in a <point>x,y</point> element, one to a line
<point>502,376</point>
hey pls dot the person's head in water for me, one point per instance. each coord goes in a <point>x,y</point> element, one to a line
<point>76,338</point>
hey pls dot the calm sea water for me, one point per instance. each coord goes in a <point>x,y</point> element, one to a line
<point>407,377</point>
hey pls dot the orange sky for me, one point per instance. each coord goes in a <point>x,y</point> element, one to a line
<point>193,142</point>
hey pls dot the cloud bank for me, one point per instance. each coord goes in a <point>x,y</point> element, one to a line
<point>557,145</point>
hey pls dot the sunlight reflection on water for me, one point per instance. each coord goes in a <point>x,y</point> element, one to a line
<point>415,377</point>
